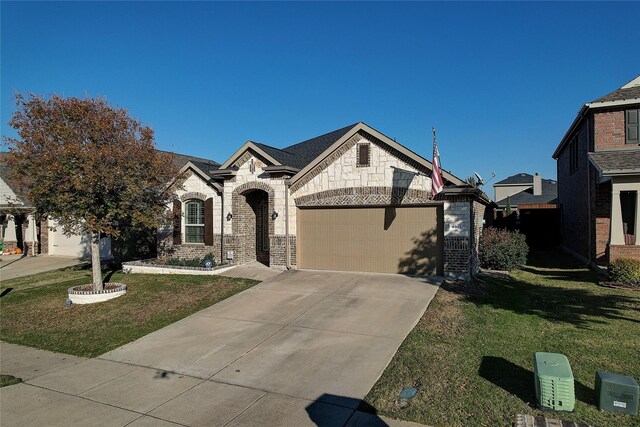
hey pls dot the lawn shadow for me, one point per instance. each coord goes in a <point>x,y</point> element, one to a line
<point>556,264</point>
<point>582,306</point>
<point>519,381</point>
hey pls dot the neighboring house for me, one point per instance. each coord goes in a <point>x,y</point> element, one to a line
<point>17,223</point>
<point>352,199</point>
<point>598,162</point>
<point>525,191</point>
<point>19,229</point>
<point>534,210</point>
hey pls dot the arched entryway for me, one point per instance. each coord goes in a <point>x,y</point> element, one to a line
<point>252,223</point>
<point>258,202</point>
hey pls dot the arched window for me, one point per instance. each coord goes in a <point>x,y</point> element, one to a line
<point>194,221</point>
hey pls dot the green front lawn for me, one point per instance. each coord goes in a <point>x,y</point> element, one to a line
<point>471,355</point>
<point>33,313</point>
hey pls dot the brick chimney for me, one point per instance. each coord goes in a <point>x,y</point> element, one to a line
<point>537,184</point>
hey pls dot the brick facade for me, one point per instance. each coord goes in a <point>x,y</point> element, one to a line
<point>584,196</point>
<point>608,130</point>
<point>457,256</point>
<point>44,235</point>
<point>624,251</point>
<point>574,196</point>
<point>602,222</point>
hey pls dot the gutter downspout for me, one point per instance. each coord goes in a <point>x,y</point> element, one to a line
<point>286,225</point>
<point>592,215</point>
<point>222,257</point>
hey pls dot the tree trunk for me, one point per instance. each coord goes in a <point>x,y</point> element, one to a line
<point>95,262</point>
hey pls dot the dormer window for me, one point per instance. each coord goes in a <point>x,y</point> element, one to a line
<point>363,154</point>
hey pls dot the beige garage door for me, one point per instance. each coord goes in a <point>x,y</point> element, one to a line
<point>375,239</point>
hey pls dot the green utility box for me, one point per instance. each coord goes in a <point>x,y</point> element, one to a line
<point>554,381</point>
<point>617,393</point>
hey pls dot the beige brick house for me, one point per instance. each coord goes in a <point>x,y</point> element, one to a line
<point>351,199</point>
<point>598,162</point>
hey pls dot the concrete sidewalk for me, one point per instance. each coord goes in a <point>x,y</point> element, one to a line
<point>302,348</point>
<point>13,266</point>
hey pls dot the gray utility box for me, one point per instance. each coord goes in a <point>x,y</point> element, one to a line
<point>617,393</point>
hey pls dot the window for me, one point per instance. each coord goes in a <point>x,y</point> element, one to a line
<point>632,126</point>
<point>194,221</point>
<point>363,155</point>
<point>573,155</point>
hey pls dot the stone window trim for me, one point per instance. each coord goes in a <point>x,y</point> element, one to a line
<point>193,195</point>
<point>363,154</point>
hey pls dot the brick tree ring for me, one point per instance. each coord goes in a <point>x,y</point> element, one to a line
<point>84,294</point>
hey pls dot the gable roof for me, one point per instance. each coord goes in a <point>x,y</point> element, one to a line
<point>618,162</point>
<point>517,179</point>
<point>549,195</point>
<point>13,186</point>
<point>306,151</point>
<point>205,165</point>
<point>630,91</point>
<point>296,156</point>
<point>363,127</point>
<point>627,94</point>
<point>299,158</point>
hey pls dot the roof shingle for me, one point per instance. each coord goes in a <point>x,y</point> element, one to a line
<point>619,162</point>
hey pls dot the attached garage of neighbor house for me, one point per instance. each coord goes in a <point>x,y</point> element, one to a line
<point>384,239</point>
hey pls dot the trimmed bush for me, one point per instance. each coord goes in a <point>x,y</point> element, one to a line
<point>191,262</point>
<point>502,249</point>
<point>625,271</point>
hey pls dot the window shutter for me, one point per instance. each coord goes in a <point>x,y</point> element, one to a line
<point>208,222</point>
<point>177,222</point>
<point>632,126</point>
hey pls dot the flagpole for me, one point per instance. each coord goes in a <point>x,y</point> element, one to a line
<point>437,183</point>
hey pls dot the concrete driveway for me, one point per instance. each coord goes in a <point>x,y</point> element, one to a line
<point>12,266</point>
<point>302,348</point>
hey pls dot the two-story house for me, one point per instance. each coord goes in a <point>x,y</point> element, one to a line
<point>598,162</point>
<point>526,191</point>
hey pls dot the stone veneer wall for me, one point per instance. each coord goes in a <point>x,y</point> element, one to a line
<point>477,226</point>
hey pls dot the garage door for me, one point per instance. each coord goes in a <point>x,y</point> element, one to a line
<point>375,239</point>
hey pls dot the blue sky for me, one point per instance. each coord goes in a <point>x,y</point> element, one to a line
<point>500,81</point>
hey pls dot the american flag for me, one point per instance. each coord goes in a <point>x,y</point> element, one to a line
<point>437,184</point>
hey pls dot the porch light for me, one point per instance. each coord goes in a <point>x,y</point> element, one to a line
<point>229,216</point>
<point>274,215</point>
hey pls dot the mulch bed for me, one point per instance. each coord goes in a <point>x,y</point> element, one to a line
<point>617,285</point>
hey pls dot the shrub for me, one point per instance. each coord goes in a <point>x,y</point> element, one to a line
<point>625,271</point>
<point>502,249</point>
<point>191,262</point>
